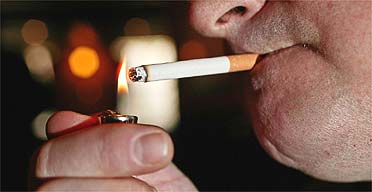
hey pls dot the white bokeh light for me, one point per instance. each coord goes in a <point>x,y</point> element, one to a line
<point>39,63</point>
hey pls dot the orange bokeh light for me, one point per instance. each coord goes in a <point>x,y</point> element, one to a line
<point>83,62</point>
<point>82,34</point>
<point>122,78</point>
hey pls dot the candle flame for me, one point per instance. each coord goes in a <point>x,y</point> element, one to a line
<point>122,78</point>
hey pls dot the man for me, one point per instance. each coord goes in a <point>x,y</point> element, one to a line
<point>311,108</point>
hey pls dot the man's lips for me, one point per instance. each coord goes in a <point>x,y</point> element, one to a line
<point>262,57</point>
<point>268,56</point>
<point>265,55</point>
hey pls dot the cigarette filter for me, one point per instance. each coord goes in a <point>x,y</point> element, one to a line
<point>193,68</point>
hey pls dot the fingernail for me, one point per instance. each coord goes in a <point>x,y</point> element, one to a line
<point>151,148</point>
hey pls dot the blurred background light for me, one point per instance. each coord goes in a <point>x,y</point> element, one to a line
<point>85,74</point>
<point>54,49</point>
<point>156,102</point>
<point>11,37</point>
<point>141,50</point>
<point>83,62</point>
<point>39,124</point>
<point>137,26</point>
<point>116,47</point>
<point>34,32</point>
<point>82,34</point>
<point>87,94</point>
<point>193,49</point>
<point>39,63</point>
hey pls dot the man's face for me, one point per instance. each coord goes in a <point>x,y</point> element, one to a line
<point>311,95</point>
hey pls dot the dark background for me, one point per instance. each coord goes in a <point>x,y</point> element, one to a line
<point>214,143</point>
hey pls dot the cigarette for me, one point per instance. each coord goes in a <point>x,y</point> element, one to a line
<point>192,68</point>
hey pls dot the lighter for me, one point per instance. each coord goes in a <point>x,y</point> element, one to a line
<point>109,116</point>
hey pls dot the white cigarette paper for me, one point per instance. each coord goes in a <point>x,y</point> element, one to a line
<point>193,68</point>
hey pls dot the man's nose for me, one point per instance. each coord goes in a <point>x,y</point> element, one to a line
<point>215,18</point>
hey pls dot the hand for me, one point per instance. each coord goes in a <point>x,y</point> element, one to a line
<point>87,156</point>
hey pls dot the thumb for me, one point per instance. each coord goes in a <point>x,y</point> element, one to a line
<point>64,122</point>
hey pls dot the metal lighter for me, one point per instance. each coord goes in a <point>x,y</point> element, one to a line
<point>110,116</point>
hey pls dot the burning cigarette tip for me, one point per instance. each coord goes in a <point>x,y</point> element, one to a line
<point>137,74</point>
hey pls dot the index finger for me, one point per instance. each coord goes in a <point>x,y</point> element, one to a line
<point>64,122</point>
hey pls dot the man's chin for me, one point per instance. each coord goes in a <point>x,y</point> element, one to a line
<point>281,86</point>
<point>301,114</point>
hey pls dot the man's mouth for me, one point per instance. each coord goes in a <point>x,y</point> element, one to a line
<point>265,56</point>
<point>262,57</point>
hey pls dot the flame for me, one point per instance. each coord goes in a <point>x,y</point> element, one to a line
<point>122,78</point>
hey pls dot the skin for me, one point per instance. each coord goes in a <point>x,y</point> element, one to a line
<point>311,97</point>
<point>310,100</point>
<point>83,155</point>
